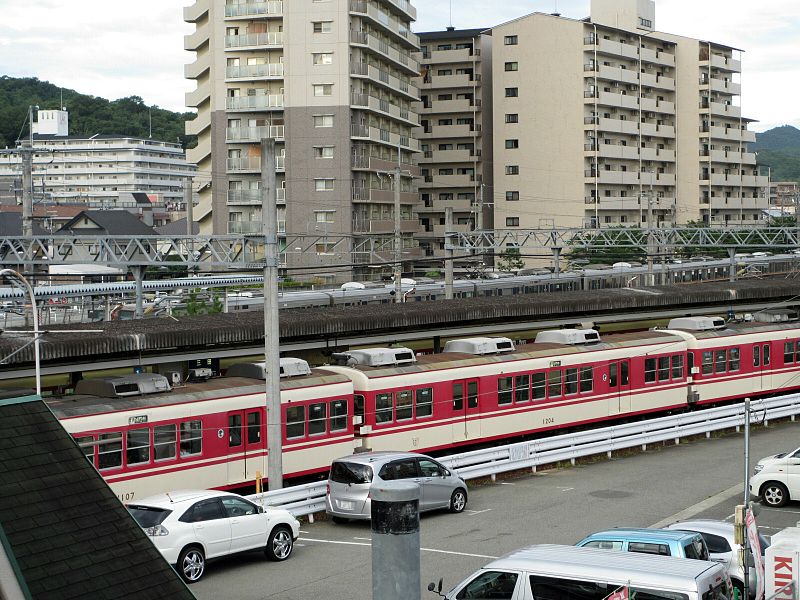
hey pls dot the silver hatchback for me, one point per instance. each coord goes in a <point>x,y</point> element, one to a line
<point>352,477</point>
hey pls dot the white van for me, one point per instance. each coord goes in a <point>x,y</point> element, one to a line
<point>548,572</point>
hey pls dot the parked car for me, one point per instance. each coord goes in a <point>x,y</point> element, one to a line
<point>192,526</point>
<point>722,548</point>
<point>775,479</point>
<point>351,478</point>
<point>649,541</point>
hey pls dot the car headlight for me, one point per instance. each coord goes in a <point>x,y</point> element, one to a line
<point>156,531</point>
<point>758,468</point>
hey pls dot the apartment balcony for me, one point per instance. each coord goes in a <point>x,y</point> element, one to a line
<point>657,81</point>
<point>725,156</point>
<point>451,81</point>
<point>451,181</point>
<point>659,106</point>
<point>618,74</point>
<point>384,107</point>
<point>659,58</point>
<point>405,8</point>
<point>385,22</point>
<point>243,165</point>
<point>383,78</point>
<point>252,197</point>
<point>724,63</point>
<point>451,131</point>
<point>196,97</point>
<point>197,68</point>
<point>451,156</point>
<point>748,158</point>
<point>383,136</point>
<point>615,203</point>
<point>723,86</point>
<point>254,41</point>
<point>618,100</point>
<point>617,151</point>
<point>748,137</point>
<point>459,55</point>
<point>263,71</point>
<point>652,129</point>
<point>722,109</point>
<point>254,134</point>
<point>401,59</point>
<point>657,154</point>
<point>253,10</point>
<point>378,196</point>
<point>616,48</point>
<point>613,177</point>
<point>456,106</point>
<point>254,103</point>
<point>384,226</point>
<point>738,202</point>
<point>374,163</point>
<point>199,124</point>
<point>728,133</point>
<point>193,41</point>
<point>195,12</point>
<point>618,126</point>
<point>246,227</point>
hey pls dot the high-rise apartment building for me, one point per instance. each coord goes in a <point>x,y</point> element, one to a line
<point>332,82</point>
<point>455,89</point>
<point>607,122</point>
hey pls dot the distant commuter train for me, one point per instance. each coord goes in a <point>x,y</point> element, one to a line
<point>145,435</point>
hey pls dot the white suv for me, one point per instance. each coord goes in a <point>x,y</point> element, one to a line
<point>191,526</point>
<point>776,479</point>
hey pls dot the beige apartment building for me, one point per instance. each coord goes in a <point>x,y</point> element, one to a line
<point>332,82</point>
<point>607,122</point>
<point>455,90</point>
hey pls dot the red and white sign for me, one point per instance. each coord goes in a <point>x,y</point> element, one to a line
<point>620,594</point>
<point>755,547</point>
<point>782,562</point>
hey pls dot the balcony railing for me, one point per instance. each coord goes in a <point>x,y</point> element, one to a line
<point>255,71</point>
<point>255,102</point>
<point>254,9</point>
<point>271,38</point>
<point>254,134</point>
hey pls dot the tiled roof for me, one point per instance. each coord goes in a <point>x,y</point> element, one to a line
<point>109,222</point>
<point>67,532</point>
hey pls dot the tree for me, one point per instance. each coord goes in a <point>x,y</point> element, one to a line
<point>510,260</point>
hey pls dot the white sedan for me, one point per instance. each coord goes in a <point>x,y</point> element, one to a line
<point>191,526</point>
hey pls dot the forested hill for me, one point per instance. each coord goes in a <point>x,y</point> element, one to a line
<point>779,149</point>
<point>88,115</point>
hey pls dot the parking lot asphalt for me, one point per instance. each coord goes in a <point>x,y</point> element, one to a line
<point>702,478</point>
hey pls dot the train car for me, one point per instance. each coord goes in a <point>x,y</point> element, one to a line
<point>146,437</point>
<point>488,390</point>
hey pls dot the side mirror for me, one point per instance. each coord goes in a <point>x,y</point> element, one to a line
<point>260,510</point>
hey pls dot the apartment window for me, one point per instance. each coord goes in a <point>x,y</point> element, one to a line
<point>512,196</point>
<point>512,144</point>
<point>512,92</point>
<point>323,185</point>
<point>512,169</point>
<point>512,66</point>
<point>512,221</point>
<point>323,151</point>
<point>323,120</point>
<point>511,40</point>
<point>445,121</point>
<point>444,72</point>
<point>323,89</point>
<point>322,58</point>
<point>324,216</point>
<point>322,26</point>
<point>444,97</point>
<point>512,118</point>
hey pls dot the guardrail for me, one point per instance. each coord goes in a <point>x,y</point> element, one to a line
<point>305,500</point>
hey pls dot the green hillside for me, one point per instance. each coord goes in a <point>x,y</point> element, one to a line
<point>88,115</point>
<point>779,149</point>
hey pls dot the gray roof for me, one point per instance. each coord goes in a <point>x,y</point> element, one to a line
<point>11,225</point>
<point>108,222</point>
<point>62,528</point>
<point>449,34</point>
<point>178,228</point>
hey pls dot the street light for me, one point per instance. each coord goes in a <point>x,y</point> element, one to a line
<point>20,281</point>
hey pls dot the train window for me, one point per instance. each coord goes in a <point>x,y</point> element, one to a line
<point>720,362</point>
<point>295,422</point>
<point>571,382</point>
<point>523,388</point>
<point>165,442</point>
<point>404,405</point>
<point>649,370</point>
<point>458,396</point>
<point>109,450</point>
<point>338,415</point>
<point>86,444</point>
<point>554,384</point>
<point>624,378</point>
<point>504,390</point>
<point>234,430</point>
<point>587,379</point>
<point>797,351</point>
<point>756,355</point>
<point>708,363</point>
<point>383,408</point>
<point>254,427</point>
<point>358,406</point>
<point>733,359</point>
<point>677,366</point>
<point>612,375</point>
<point>663,368</point>
<point>539,392</point>
<point>191,438</point>
<point>424,402</point>
<point>317,418</point>
<point>766,355</point>
<point>472,394</point>
<point>138,446</point>
<point>788,353</point>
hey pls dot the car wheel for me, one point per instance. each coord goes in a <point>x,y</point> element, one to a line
<point>774,494</point>
<point>739,587</point>
<point>191,564</point>
<point>458,501</point>
<point>339,520</point>
<point>279,544</point>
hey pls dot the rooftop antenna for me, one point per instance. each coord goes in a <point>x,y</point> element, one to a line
<point>451,14</point>
<point>150,119</point>
<point>556,13</point>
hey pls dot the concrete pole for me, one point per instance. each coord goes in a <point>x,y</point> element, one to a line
<point>732,267</point>
<point>395,541</point>
<point>26,153</point>
<point>269,219</point>
<point>448,254</point>
<point>746,502</point>
<point>187,198</point>
<point>138,276</point>
<point>556,250</point>
<point>28,289</point>
<point>398,239</point>
<point>650,239</point>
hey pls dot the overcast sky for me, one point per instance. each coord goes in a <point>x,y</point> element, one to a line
<point>113,48</point>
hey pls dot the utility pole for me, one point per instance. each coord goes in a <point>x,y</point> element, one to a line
<point>187,199</point>
<point>26,152</point>
<point>448,254</point>
<point>650,238</point>
<point>272,360</point>
<point>398,240</point>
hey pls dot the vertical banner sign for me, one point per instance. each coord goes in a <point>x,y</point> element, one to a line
<point>782,570</point>
<point>755,548</point>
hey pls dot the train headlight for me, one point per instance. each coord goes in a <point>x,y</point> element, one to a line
<point>156,531</point>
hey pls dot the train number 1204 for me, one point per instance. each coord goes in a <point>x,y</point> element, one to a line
<point>548,421</point>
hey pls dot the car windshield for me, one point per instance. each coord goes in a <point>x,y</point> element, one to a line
<point>346,472</point>
<point>148,516</point>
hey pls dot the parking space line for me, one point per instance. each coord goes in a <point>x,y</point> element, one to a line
<point>691,511</point>
<point>783,510</point>
<point>478,512</point>
<point>435,550</point>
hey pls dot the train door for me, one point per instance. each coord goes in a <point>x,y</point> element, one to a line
<point>466,405</point>
<point>762,379</point>
<point>245,445</point>
<point>619,383</point>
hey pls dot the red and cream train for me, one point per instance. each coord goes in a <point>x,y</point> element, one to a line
<point>145,436</point>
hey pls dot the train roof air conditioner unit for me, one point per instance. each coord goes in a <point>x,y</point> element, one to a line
<point>697,323</point>
<point>135,384</point>
<point>570,337</point>
<point>200,374</point>
<point>480,345</point>
<point>290,367</point>
<point>376,357</point>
